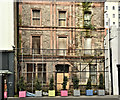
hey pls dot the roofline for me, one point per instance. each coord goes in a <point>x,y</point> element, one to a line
<point>66,0</point>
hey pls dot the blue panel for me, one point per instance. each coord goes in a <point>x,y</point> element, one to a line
<point>89,92</point>
<point>28,94</point>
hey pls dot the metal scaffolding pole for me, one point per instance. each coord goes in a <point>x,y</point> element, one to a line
<point>33,69</point>
<point>42,68</point>
<point>22,62</point>
<point>64,62</point>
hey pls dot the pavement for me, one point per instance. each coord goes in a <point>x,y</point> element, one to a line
<point>106,97</point>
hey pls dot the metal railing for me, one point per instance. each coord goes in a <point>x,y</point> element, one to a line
<point>62,52</point>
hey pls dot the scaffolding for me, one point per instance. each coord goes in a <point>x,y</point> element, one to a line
<point>84,63</point>
<point>43,63</point>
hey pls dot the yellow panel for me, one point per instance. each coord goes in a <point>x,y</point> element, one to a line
<point>60,80</point>
<point>59,77</point>
<point>51,93</point>
<point>59,86</point>
<point>67,74</point>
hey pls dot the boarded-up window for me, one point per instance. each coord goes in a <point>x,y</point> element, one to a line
<point>36,44</point>
<point>62,45</point>
<point>35,17</point>
<point>42,72</point>
<point>30,70</point>
<point>87,45</point>
<point>62,18</point>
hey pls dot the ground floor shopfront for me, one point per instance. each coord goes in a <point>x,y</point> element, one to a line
<point>6,74</point>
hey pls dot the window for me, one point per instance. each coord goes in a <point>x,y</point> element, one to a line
<point>62,18</point>
<point>106,7</point>
<point>119,8</point>
<point>87,45</point>
<point>93,73</point>
<point>119,16</point>
<point>35,17</point>
<point>30,70</point>
<point>107,23</point>
<point>87,19</point>
<point>119,24</point>
<point>113,7</point>
<point>106,15</point>
<point>36,44</point>
<point>62,45</point>
<point>113,15</point>
<point>41,68</point>
<point>38,70</point>
<point>83,73</point>
<point>62,68</point>
<point>113,23</point>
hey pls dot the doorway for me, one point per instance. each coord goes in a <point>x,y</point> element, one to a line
<point>61,71</point>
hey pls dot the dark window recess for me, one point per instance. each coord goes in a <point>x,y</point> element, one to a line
<point>113,23</point>
<point>119,8</point>
<point>119,16</point>
<point>36,44</point>
<point>62,18</point>
<point>93,73</point>
<point>87,18</point>
<point>42,72</point>
<point>30,70</point>
<point>35,17</point>
<point>113,7</point>
<point>62,68</point>
<point>119,24</point>
<point>106,7</point>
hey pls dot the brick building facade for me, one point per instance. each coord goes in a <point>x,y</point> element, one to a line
<point>54,40</point>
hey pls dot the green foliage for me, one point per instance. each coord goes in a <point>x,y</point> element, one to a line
<point>65,82</point>
<point>101,81</point>
<point>51,86</point>
<point>75,81</point>
<point>89,26</point>
<point>37,85</point>
<point>20,20</point>
<point>87,34</point>
<point>21,84</point>
<point>86,10</point>
<point>89,84</point>
<point>86,6</point>
<point>20,41</point>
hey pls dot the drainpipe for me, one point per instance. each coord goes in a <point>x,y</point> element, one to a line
<point>109,57</point>
<point>111,71</point>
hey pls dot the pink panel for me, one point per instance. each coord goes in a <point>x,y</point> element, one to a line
<point>22,93</point>
<point>64,93</point>
<point>5,94</point>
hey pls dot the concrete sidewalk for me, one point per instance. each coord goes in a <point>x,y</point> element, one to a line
<point>107,97</point>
